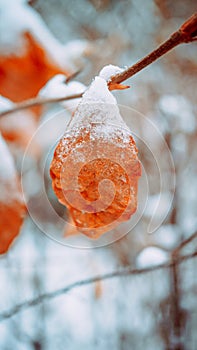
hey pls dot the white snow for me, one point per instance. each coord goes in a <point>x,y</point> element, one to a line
<point>99,107</point>
<point>7,167</point>
<point>151,256</point>
<point>98,92</point>
<point>109,71</point>
<point>57,87</point>
<point>22,122</point>
<point>5,103</point>
<point>98,115</point>
<point>17,18</point>
<point>51,128</point>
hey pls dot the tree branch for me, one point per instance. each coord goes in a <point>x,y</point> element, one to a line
<point>185,34</point>
<point>34,102</point>
<point>119,273</point>
<point>184,243</point>
<point>177,312</point>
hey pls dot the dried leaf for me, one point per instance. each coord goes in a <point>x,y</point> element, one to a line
<point>95,168</point>
<point>12,207</point>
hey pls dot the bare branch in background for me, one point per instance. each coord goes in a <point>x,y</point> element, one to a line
<point>31,2</point>
<point>119,273</point>
<point>185,34</point>
<point>72,76</point>
<point>184,243</point>
<point>33,102</point>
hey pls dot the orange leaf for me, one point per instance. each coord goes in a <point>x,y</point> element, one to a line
<point>12,207</point>
<point>95,168</point>
<point>22,76</point>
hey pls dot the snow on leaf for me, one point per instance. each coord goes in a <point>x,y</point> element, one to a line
<point>5,104</point>
<point>57,87</point>
<point>7,167</point>
<point>99,144</point>
<point>98,105</point>
<point>17,128</point>
<point>29,53</point>
<point>13,28</point>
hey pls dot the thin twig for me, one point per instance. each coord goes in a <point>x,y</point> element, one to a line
<point>119,273</point>
<point>185,34</point>
<point>177,314</point>
<point>184,243</point>
<point>72,76</point>
<point>176,311</point>
<point>33,102</point>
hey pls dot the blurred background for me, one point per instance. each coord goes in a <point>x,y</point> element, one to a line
<point>153,310</point>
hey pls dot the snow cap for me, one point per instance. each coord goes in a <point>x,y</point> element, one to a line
<point>98,105</point>
<point>109,71</point>
<point>98,92</point>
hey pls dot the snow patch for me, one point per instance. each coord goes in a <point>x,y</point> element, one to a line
<point>18,18</point>
<point>57,87</point>
<point>98,92</point>
<point>109,71</point>
<point>7,167</point>
<point>99,107</point>
<point>98,115</point>
<point>21,122</point>
<point>151,256</point>
<point>5,103</point>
